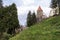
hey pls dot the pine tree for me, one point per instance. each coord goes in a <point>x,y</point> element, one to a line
<point>1,21</point>
<point>58,2</point>
<point>8,19</point>
<point>13,20</point>
<point>29,20</point>
<point>53,4</point>
<point>1,3</point>
<point>34,20</point>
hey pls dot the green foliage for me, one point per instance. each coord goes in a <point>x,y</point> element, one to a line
<point>53,4</point>
<point>6,36</point>
<point>1,4</point>
<point>13,22</point>
<point>8,20</point>
<point>31,19</point>
<point>34,19</point>
<point>48,29</point>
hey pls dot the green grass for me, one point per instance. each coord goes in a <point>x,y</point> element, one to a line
<point>48,29</point>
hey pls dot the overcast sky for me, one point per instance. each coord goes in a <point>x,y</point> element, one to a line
<point>24,6</point>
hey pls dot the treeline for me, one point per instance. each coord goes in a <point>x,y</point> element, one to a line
<point>8,20</point>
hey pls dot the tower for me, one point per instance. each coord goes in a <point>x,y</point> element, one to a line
<point>39,14</point>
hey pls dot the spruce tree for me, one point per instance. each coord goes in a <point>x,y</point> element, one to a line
<point>29,20</point>
<point>34,20</point>
<point>1,19</point>
<point>53,4</point>
<point>1,4</point>
<point>58,2</point>
<point>13,22</point>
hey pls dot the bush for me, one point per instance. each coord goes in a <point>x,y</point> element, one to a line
<point>6,36</point>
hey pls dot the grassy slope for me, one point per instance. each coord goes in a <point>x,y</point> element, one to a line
<point>46,30</point>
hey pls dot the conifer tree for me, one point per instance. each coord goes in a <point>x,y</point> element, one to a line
<point>34,20</point>
<point>53,4</point>
<point>29,20</point>
<point>1,19</point>
<point>58,2</point>
<point>1,4</point>
<point>13,20</point>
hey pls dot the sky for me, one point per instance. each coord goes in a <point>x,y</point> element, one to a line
<point>23,7</point>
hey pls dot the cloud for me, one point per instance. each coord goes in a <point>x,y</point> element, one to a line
<point>28,2</point>
<point>22,19</point>
<point>46,10</point>
<point>9,2</point>
<point>26,9</point>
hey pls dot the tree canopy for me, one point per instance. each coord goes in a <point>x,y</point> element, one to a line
<point>31,19</point>
<point>1,4</point>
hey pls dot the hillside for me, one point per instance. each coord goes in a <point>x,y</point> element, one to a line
<point>48,29</point>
